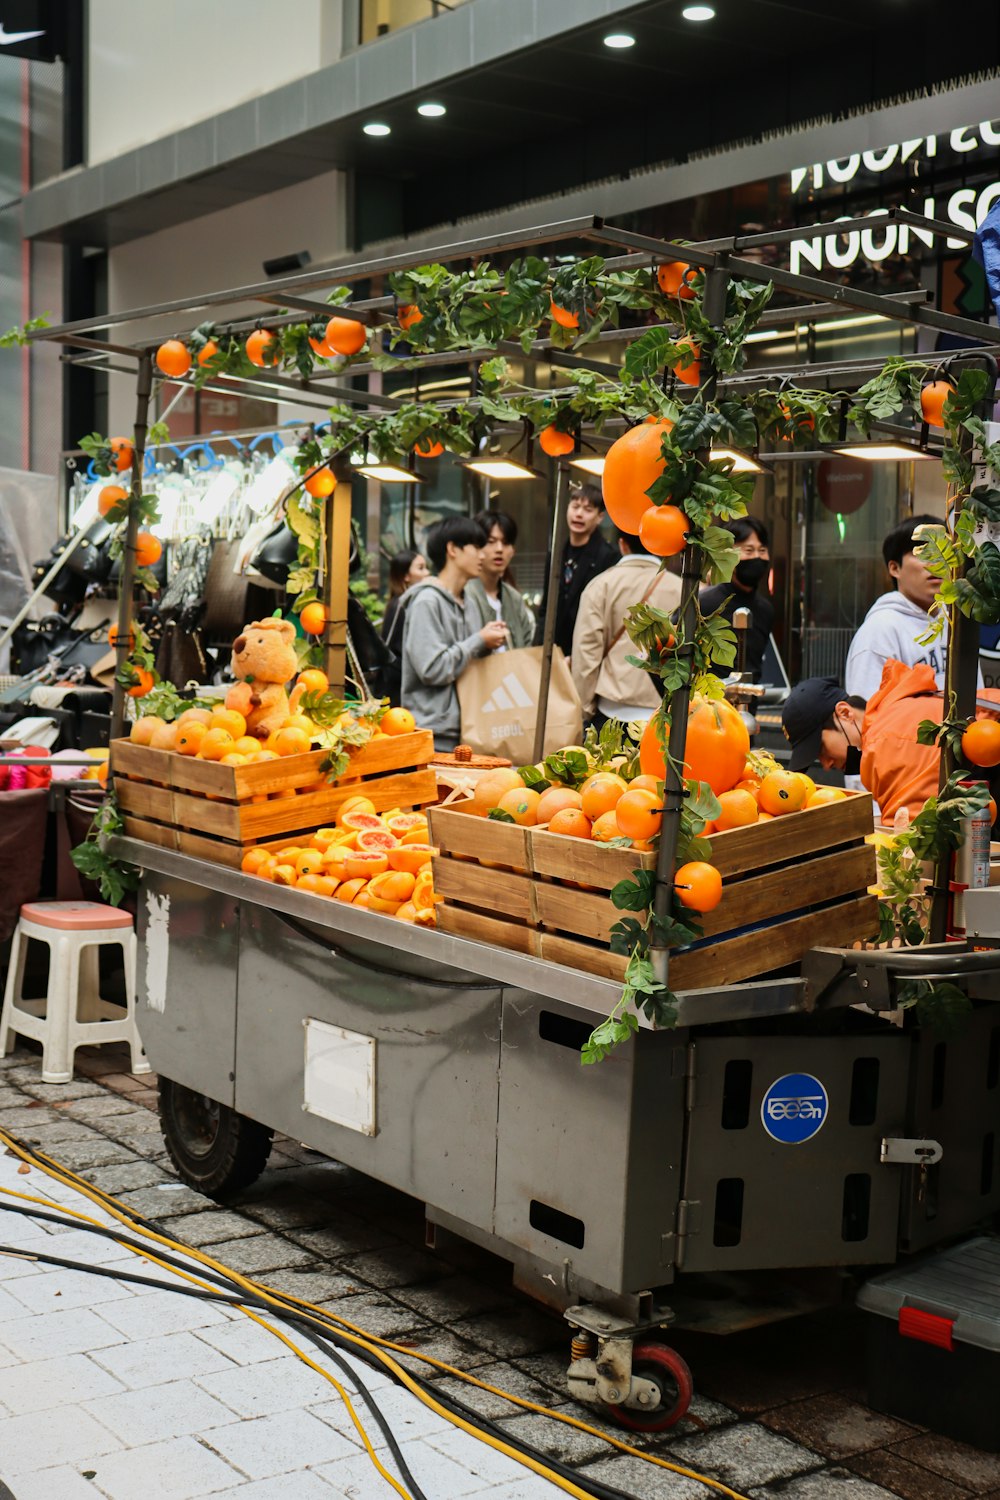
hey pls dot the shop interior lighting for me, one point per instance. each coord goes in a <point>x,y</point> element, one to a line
<point>431,111</point>
<point>267,488</point>
<point>375,127</point>
<point>390,473</point>
<point>698,13</point>
<point>619,41</point>
<point>501,467</point>
<point>883,453</point>
<point>592,465</point>
<point>86,512</point>
<point>767,335</point>
<point>743,463</point>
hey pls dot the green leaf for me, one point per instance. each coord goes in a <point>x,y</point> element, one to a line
<point>499,815</point>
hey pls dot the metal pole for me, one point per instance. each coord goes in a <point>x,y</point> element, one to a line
<point>126,587</point>
<point>714,307</point>
<point>336,571</point>
<point>560,533</point>
<point>961,681</point>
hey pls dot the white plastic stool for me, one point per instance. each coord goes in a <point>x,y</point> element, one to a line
<point>72,1014</point>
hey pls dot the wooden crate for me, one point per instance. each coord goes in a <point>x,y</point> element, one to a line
<point>791,884</point>
<point>217,812</point>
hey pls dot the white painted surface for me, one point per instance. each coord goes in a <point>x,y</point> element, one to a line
<point>157,950</point>
<point>339,1082</point>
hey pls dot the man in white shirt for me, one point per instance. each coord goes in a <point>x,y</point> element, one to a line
<point>893,625</point>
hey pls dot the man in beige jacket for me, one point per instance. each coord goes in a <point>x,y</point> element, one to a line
<point>609,687</point>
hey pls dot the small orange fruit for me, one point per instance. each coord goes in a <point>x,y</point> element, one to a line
<point>290,741</point>
<point>427,448</point>
<point>195,716</point>
<point>572,822</point>
<point>263,348</point>
<point>824,795</point>
<point>397,721</point>
<point>365,863</point>
<point>782,792</point>
<point>309,862</point>
<point>521,805</point>
<point>410,857</point>
<point>145,682</point>
<point>698,886</point>
<point>645,784</point>
<point>739,809</point>
<point>601,792</point>
<point>674,279</point>
<point>190,736</point>
<point>932,400</point>
<point>639,814</point>
<point>164,737</point>
<point>555,443</point>
<point>407,314</point>
<point>563,316</point>
<point>605,828</point>
<point>142,730</point>
<point>394,885</point>
<point>690,374</point>
<point>981,743</point>
<point>345,335</point>
<point>110,497</point>
<point>663,530</point>
<point>122,452</point>
<point>246,744</point>
<point>284,874</point>
<point>253,859</point>
<point>556,799</point>
<point>173,358</point>
<point>312,680</point>
<point>321,482</point>
<point>313,618</point>
<point>208,351</point>
<point>148,549</point>
<point>215,744</point>
<point>228,718</point>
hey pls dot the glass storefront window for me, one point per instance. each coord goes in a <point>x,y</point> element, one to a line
<point>379,17</point>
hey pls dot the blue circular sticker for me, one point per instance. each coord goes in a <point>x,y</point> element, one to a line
<point>794,1108</point>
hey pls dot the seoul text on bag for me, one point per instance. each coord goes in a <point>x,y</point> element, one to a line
<point>498,698</point>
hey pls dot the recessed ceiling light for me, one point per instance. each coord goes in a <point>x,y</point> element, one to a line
<point>698,13</point>
<point>619,40</point>
<point>431,111</point>
<point>375,128</point>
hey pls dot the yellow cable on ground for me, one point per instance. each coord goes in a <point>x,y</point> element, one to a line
<point>372,1342</point>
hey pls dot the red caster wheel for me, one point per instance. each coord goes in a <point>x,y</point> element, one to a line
<point>669,1372</point>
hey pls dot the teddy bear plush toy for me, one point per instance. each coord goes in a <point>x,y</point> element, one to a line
<point>263,662</point>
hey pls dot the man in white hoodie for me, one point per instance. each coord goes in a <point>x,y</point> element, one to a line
<point>896,620</point>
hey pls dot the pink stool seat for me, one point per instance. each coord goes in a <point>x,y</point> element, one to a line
<point>75,916</point>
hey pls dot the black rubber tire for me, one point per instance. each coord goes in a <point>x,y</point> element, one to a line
<point>213,1148</point>
<point>659,1363</point>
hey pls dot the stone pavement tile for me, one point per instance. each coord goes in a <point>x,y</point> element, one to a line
<point>211,1226</point>
<point>126,1177</point>
<point>28,1116</point>
<point>348,1236</point>
<point>302,1486</point>
<point>397,1266</point>
<point>287,1208</point>
<point>313,1283</point>
<point>971,1467</point>
<point>98,1109</point>
<point>165,1201</point>
<point>264,1446</point>
<point>50,1131</point>
<point>59,1289</point>
<point>79,1156</point>
<point>64,1482</point>
<point>159,1412</point>
<point>634,1477</point>
<point>549,1369</point>
<point>11,1306</point>
<point>451,1296</point>
<point>11,1268</point>
<point>182,1469</point>
<point>488,1464</point>
<point>122,1083</point>
<point>834,1426</point>
<point>150,1146</point>
<point>259,1254</point>
<point>148,1097</point>
<point>262,1389</point>
<point>435,1343</point>
<point>89,1249</point>
<point>743,1456</point>
<point>531,1487</point>
<point>378,1314</point>
<point>61,1093</point>
<point>904,1478</point>
<point>34,1441</point>
<point>828,1484</point>
<point>504,1377</point>
<point>48,1383</point>
<point>242,1341</point>
<point>158,1313</point>
<point>555,1439</point>
<point>137,1120</point>
<point>436,1473</point>
<point>149,1362</point>
<point>53,1335</point>
<point>407,1416</point>
<point>512,1332</point>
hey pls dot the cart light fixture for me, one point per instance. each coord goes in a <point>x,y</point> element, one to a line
<point>431,111</point>
<point>499,468</point>
<point>390,474</point>
<point>698,13</point>
<point>592,465</point>
<point>883,453</point>
<point>619,41</point>
<point>375,127</point>
<point>743,463</point>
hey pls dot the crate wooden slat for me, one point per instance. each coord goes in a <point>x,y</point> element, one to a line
<point>793,835</point>
<point>489,890</point>
<point>739,956</point>
<point>583,862</point>
<point>788,888</point>
<point>463,836</point>
<point>512,936</point>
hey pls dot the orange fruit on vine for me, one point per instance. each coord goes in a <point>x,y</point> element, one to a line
<point>113,638</point>
<point>263,348</point>
<point>345,335</point>
<point>738,810</point>
<point>408,314</point>
<point>981,743</point>
<point>932,399</point>
<point>563,316</point>
<point>148,550</point>
<point>144,684</point>
<point>674,279</point>
<point>123,453</point>
<point>633,463</point>
<point>111,496</point>
<point>555,443</point>
<point>173,358</point>
<point>601,793</point>
<point>717,745</point>
<point>639,814</point>
<point>698,886</point>
<point>397,721</point>
<point>689,374</point>
<point>314,618</point>
<point>320,483</point>
<point>663,530</point>
<point>555,799</point>
<point>782,792</point>
<point>321,348</point>
<point>428,448</point>
<point>312,680</point>
<point>208,351</point>
<point>521,805</point>
<point>572,822</point>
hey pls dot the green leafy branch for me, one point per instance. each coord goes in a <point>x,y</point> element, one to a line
<point>91,858</point>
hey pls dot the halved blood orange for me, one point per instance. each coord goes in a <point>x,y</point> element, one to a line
<point>376,838</point>
<point>404,822</point>
<point>410,857</point>
<point>358,820</point>
<point>415,835</point>
<point>355,804</point>
<point>363,864</point>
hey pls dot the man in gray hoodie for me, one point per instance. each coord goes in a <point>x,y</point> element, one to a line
<point>895,622</point>
<point>441,629</point>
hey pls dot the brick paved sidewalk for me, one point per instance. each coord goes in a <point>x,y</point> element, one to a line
<point>191,1399</point>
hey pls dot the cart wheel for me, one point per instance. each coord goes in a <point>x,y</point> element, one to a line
<point>667,1370</point>
<point>213,1148</point>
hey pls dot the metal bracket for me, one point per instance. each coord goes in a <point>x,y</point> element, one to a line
<point>607,1325</point>
<point>899,1150</point>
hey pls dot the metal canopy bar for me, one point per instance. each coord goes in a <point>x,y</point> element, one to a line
<point>831,227</point>
<point>325,310</point>
<point>97,344</point>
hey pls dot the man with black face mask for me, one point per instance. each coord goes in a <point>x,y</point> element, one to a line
<point>750,537</point>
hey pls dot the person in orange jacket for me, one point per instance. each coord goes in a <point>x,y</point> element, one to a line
<point>877,739</point>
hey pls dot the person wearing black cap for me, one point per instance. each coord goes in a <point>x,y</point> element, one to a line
<point>822,723</point>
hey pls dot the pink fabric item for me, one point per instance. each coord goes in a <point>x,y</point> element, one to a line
<point>75,916</point>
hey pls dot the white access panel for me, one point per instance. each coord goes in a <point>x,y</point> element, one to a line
<point>339,1076</point>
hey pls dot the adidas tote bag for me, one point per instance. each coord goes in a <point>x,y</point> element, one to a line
<point>498,698</point>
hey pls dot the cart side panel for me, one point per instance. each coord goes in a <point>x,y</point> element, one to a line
<point>435,1058</point>
<point>782,1165</point>
<point>588,1158</point>
<point>186,983</point>
<point>956,1101</point>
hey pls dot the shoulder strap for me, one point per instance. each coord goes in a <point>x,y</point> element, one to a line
<point>621,632</point>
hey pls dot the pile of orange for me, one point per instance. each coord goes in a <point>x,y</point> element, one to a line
<point>605,807</point>
<point>378,861</point>
<point>763,794</point>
